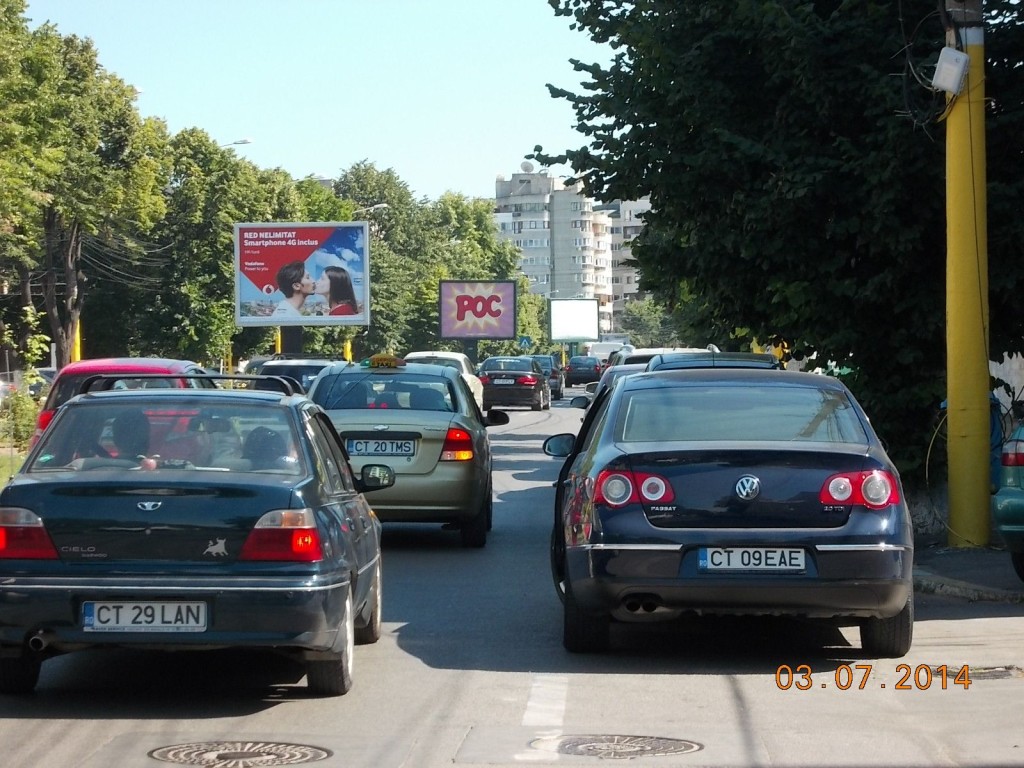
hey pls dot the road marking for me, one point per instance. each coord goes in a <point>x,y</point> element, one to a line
<point>546,705</point>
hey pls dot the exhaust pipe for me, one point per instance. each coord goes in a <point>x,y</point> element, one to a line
<point>40,640</point>
<point>644,603</point>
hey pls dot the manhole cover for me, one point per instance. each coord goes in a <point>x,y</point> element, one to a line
<point>616,747</point>
<point>239,754</point>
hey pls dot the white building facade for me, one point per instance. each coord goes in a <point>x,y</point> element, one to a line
<point>566,240</point>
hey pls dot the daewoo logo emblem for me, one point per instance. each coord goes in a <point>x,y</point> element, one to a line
<point>748,487</point>
<point>149,506</point>
<point>380,427</point>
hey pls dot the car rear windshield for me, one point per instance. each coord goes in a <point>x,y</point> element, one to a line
<point>405,391</point>
<point>304,373</point>
<point>738,413</point>
<point>506,364</point>
<point>583,361</point>
<point>175,436</point>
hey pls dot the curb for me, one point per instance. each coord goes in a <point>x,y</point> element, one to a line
<point>927,582</point>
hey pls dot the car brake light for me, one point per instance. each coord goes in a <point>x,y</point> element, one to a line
<point>527,381</point>
<point>484,378</point>
<point>617,488</point>
<point>1013,453</point>
<point>23,537</point>
<point>874,489</point>
<point>458,445</point>
<point>42,422</point>
<point>288,535</point>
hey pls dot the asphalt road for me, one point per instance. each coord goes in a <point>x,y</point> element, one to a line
<point>471,672</point>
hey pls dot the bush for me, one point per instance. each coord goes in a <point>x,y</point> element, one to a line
<point>18,419</point>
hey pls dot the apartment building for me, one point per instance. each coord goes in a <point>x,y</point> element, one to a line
<point>570,245</point>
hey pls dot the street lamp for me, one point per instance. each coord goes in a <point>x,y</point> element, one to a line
<point>233,143</point>
<point>377,207</point>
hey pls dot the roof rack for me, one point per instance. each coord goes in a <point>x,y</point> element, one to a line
<point>104,382</point>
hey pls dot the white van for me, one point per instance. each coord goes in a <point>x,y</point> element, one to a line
<point>601,349</point>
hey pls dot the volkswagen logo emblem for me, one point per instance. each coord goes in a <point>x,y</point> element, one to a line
<point>748,487</point>
<point>149,506</point>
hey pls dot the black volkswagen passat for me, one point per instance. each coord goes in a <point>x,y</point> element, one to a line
<point>730,491</point>
<point>189,519</point>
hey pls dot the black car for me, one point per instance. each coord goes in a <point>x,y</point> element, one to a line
<point>556,378</point>
<point>514,381</point>
<point>190,519</point>
<point>730,491</point>
<point>582,369</point>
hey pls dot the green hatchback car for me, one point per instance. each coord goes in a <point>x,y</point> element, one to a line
<point>1008,501</point>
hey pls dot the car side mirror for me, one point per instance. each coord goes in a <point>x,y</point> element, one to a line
<point>496,418</point>
<point>560,445</point>
<point>591,387</point>
<point>580,401</point>
<point>373,477</point>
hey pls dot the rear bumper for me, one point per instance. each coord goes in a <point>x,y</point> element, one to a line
<point>498,396</point>
<point>638,582</point>
<point>1008,517</point>
<point>288,614</point>
<point>453,492</point>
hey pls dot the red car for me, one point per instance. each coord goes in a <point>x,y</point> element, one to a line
<point>68,381</point>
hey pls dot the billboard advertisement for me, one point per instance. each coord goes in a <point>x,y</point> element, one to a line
<point>308,273</point>
<point>478,310</point>
<point>574,320</point>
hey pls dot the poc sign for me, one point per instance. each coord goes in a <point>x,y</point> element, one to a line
<point>478,310</point>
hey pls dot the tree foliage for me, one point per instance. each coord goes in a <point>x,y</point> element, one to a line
<point>792,193</point>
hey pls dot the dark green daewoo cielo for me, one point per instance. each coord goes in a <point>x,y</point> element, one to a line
<point>190,519</point>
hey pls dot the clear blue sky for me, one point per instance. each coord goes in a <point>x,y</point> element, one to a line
<point>447,93</point>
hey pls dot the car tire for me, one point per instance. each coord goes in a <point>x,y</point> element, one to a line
<point>370,632</point>
<point>19,674</point>
<point>583,632</point>
<point>1017,558</point>
<point>490,508</point>
<point>559,393</point>
<point>474,530</point>
<point>547,402</point>
<point>333,677</point>
<point>539,404</point>
<point>889,638</point>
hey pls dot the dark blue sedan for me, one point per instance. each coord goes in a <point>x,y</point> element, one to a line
<point>730,491</point>
<point>190,519</point>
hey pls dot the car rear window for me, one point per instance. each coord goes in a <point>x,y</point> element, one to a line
<point>506,364</point>
<point>177,436</point>
<point>738,413</point>
<point>66,386</point>
<point>408,391</point>
<point>582,361</point>
<point>304,373</point>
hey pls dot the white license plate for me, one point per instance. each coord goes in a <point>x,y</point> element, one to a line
<point>504,381</point>
<point>750,559</point>
<point>143,617</point>
<point>381,447</point>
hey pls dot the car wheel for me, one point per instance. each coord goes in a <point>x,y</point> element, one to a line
<point>474,530</point>
<point>583,632</point>
<point>370,633</point>
<point>19,674</point>
<point>889,638</point>
<point>490,508</point>
<point>547,402</point>
<point>557,550</point>
<point>1017,558</point>
<point>333,677</point>
<point>559,393</point>
<point>538,404</point>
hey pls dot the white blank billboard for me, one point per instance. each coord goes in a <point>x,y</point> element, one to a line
<point>574,320</point>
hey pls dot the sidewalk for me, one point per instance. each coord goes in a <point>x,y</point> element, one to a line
<point>973,573</point>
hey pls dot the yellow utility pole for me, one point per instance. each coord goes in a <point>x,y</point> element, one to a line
<point>76,342</point>
<point>967,342</point>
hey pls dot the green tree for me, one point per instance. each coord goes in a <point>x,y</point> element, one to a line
<point>791,192</point>
<point>649,325</point>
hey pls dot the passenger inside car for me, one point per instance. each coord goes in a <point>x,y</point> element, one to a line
<point>428,399</point>
<point>130,433</point>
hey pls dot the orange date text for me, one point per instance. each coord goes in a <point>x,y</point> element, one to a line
<point>859,677</point>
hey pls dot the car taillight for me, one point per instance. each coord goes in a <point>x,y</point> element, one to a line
<point>458,445</point>
<point>874,489</point>
<point>23,537</point>
<point>288,535</point>
<point>484,378</point>
<point>527,381</point>
<point>616,488</point>
<point>42,422</point>
<point>1013,453</point>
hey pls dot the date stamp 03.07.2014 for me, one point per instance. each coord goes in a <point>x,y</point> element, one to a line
<point>858,677</point>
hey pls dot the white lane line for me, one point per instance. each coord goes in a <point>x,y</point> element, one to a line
<point>546,705</point>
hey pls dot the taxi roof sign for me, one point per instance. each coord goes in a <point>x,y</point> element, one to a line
<point>382,360</point>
